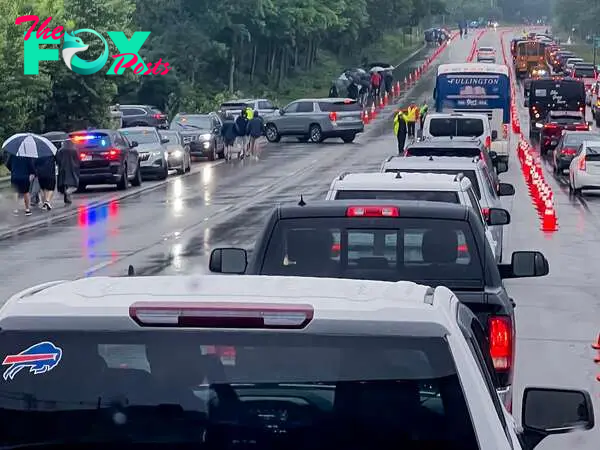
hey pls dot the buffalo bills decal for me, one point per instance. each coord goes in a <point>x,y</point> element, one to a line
<point>39,358</point>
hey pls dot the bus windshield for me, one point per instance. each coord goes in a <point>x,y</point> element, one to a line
<point>482,92</point>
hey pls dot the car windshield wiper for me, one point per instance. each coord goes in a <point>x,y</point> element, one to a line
<point>189,125</point>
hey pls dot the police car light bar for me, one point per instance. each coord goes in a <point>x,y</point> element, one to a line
<point>222,315</point>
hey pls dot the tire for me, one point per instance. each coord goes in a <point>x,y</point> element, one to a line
<point>349,139</point>
<point>315,133</point>
<point>123,183</point>
<point>188,169</point>
<point>213,153</point>
<point>271,133</point>
<point>137,178</point>
<point>165,173</point>
<point>597,117</point>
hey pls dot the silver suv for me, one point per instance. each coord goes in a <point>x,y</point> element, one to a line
<point>152,150</point>
<point>316,120</point>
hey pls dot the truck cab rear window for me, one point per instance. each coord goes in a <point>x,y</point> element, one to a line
<point>428,250</point>
<point>456,127</point>
<point>429,196</point>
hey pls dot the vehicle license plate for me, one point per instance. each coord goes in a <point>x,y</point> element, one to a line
<point>87,158</point>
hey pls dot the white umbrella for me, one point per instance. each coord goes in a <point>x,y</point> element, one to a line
<point>377,69</point>
<point>29,145</point>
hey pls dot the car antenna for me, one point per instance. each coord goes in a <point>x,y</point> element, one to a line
<point>301,202</point>
<point>430,157</point>
<point>130,271</point>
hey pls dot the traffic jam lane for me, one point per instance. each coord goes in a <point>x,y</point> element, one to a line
<point>105,238</point>
<point>558,316</point>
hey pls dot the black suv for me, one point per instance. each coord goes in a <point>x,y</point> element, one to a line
<point>106,157</point>
<point>424,242</point>
<point>202,132</point>
<point>143,116</point>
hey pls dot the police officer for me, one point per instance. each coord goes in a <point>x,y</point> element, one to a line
<point>400,129</point>
<point>422,113</point>
<point>411,119</point>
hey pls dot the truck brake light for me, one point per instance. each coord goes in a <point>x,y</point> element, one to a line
<point>501,342</point>
<point>222,315</point>
<point>372,211</point>
<point>488,142</point>
<point>333,116</point>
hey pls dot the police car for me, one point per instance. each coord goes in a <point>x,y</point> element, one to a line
<point>412,186</point>
<point>274,361</point>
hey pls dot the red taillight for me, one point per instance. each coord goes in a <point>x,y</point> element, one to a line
<point>372,211</point>
<point>486,213</point>
<point>582,127</point>
<point>568,151</point>
<point>462,248</point>
<point>582,165</point>
<point>550,126</point>
<point>333,116</point>
<point>113,154</point>
<point>82,156</point>
<point>488,142</point>
<point>501,345</point>
<point>221,315</point>
<point>158,116</point>
<point>336,248</point>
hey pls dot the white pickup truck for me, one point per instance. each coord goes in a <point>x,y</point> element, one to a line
<point>464,124</point>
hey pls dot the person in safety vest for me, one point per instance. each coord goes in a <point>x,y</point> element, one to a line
<point>249,113</point>
<point>422,113</point>
<point>400,129</point>
<point>412,115</point>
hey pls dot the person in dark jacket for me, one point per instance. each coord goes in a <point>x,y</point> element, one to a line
<point>388,80</point>
<point>45,170</point>
<point>352,90</point>
<point>255,130</point>
<point>228,131</point>
<point>22,173</point>
<point>241,123</point>
<point>333,93</point>
<point>67,158</point>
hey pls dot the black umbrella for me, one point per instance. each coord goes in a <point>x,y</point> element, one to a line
<point>29,145</point>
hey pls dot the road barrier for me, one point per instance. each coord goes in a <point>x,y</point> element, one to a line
<point>540,192</point>
<point>596,346</point>
<point>474,46</point>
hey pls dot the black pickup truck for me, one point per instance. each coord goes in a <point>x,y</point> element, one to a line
<point>426,242</point>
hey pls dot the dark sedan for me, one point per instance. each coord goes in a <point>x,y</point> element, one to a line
<point>202,132</point>
<point>567,147</point>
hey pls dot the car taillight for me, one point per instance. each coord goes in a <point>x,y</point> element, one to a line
<point>501,345</point>
<point>551,126</point>
<point>158,116</point>
<point>333,116</point>
<point>336,248</point>
<point>372,211</point>
<point>488,142</point>
<point>568,151</point>
<point>486,213</point>
<point>221,315</point>
<point>113,154</point>
<point>82,156</point>
<point>462,248</point>
<point>582,165</point>
<point>582,127</point>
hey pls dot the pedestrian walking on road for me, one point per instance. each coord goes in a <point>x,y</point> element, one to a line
<point>241,123</point>
<point>45,169</point>
<point>67,159</point>
<point>400,129</point>
<point>422,113</point>
<point>376,84</point>
<point>22,173</point>
<point>255,130</point>
<point>228,131</point>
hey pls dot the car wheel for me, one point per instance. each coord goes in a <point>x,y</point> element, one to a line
<point>165,172</point>
<point>189,163</point>
<point>213,154</point>
<point>271,133</point>
<point>349,139</point>
<point>597,120</point>
<point>315,133</point>
<point>137,177</point>
<point>123,183</point>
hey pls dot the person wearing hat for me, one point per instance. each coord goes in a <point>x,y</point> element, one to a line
<point>400,129</point>
<point>422,113</point>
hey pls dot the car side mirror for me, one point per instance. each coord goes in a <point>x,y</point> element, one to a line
<point>164,141</point>
<point>548,411</point>
<point>501,167</point>
<point>525,264</point>
<point>506,190</point>
<point>281,112</point>
<point>497,217</point>
<point>526,103</point>
<point>134,144</point>
<point>494,135</point>
<point>228,260</point>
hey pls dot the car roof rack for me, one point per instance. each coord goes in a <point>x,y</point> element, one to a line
<point>430,157</point>
<point>343,175</point>
<point>398,175</point>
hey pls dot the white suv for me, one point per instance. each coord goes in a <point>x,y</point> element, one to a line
<point>472,168</point>
<point>432,187</point>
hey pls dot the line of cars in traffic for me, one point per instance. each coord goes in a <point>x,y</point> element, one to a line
<point>557,112</point>
<point>431,216</point>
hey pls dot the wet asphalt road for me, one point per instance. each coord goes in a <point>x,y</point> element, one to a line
<point>171,230</point>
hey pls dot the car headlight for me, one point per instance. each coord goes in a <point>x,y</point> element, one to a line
<point>538,125</point>
<point>205,137</point>
<point>206,145</point>
<point>176,154</point>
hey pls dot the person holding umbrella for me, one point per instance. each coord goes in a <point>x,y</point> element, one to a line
<point>23,149</point>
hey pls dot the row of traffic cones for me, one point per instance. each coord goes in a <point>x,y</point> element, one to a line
<point>540,191</point>
<point>596,346</point>
<point>371,111</point>
<point>475,45</point>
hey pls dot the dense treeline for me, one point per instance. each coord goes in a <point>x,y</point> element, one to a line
<point>215,48</point>
<point>581,15</point>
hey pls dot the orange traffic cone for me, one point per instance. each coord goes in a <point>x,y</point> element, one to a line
<point>549,222</point>
<point>385,99</point>
<point>373,111</point>
<point>398,89</point>
<point>366,117</point>
<point>380,102</point>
